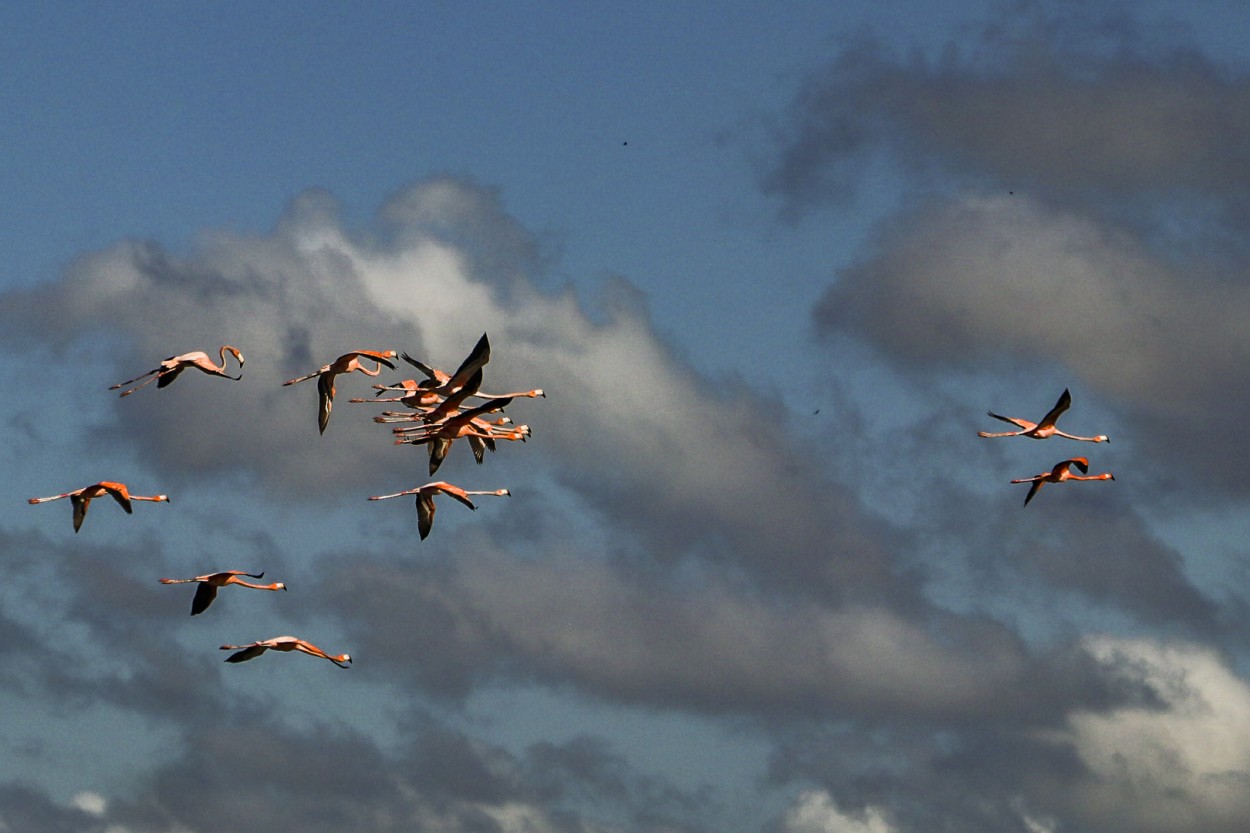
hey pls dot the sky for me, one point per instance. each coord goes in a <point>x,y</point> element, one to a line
<point>758,573</point>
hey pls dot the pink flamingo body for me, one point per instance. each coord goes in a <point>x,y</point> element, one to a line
<point>1045,428</point>
<point>441,435</point>
<point>169,369</point>
<point>209,584</point>
<point>81,498</point>
<point>1061,472</point>
<point>425,500</point>
<point>282,643</point>
<point>345,363</point>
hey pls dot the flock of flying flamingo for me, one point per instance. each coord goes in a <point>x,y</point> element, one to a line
<point>436,417</point>
<point>1042,430</point>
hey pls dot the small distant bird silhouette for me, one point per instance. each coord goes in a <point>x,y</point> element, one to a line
<point>169,369</point>
<point>425,500</point>
<point>1045,428</point>
<point>345,363</point>
<point>81,498</point>
<point>1061,472</point>
<point>208,584</point>
<point>282,643</point>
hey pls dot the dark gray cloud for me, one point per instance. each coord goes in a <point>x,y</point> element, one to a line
<point>256,774</point>
<point>1060,101</point>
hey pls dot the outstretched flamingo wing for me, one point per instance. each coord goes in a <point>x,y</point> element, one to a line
<point>325,396</point>
<point>425,513</point>
<point>120,494</point>
<point>1019,423</point>
<point>248,652</point>
<point>80,509</point>
<point>480,445</point>
<point>478,357</point>
<point>205,592</point>
<point>1080,463</point>
<point>1065,402</point>
<point>379,356</point>
<point>167,378</point>
<point>435,375</point>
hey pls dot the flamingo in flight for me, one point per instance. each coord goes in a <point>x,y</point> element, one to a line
<point>208,585</point>
<point>1045,428</point>
<point>1061,472</point>
<point>441,382</point>
<point>282,643</point>
<point>425,500</point>
<point>412,395</point>
<point>444,383</point>
<point>441,435</point>
<point>169,369</point>
<point>81,498</point>
<point>345,363</point>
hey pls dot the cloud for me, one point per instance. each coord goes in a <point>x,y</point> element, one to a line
<point>255,773</point>
<point>1111,558</point>
<point>814,811</point>
<point>707,647</point>
<point>292,301</point>
<point>675,542</point>
<point>1067,102</point>
<point>981,283</point>
<point>1064,206</point>
<point>1180,764</point>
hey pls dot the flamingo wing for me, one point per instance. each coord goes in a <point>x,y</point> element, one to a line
<point>249,652</point>
<point>167,377</point>
<point>325,396</point>
<point>1065,402</point>
<point>453,401</point>
<point>377,355</point>
<point>478,357</point>
<point>457,494</point>
<point>425,513</point>
<point>120,494</point>
<point>480,445</point>
<point>205,592</point>
<point>434,374</point>
<point>1081,463</point>
<point>80,509</point>
<point>1023,424</point>
<point>438,452</point>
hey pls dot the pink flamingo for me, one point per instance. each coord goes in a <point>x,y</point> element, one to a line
<point>169,369</point>
<point>444,383</point>
<point>208,584</point>
<point>439,381</point>
<point>345,363</point>
<point>1045,428</point>
<point>441,435</point>
<point>425,500</point>
<point>282,643</point>
<point>1061,472</point>
<point>81,498</point>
